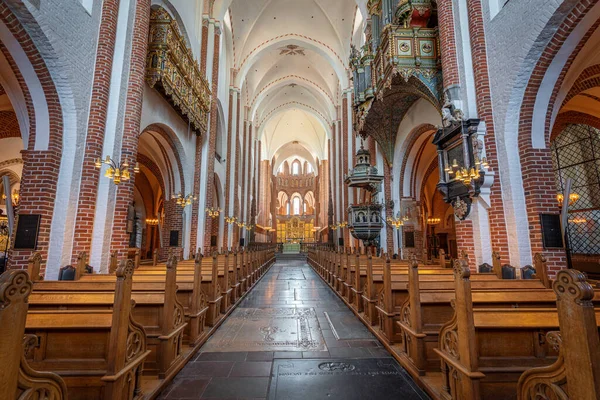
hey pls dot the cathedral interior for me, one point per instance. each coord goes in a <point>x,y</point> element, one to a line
<point>299,199</point>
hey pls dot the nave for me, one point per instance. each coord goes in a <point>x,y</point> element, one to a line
<point>292,338</point>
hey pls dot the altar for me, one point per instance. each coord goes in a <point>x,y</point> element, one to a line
<point>291,248</point>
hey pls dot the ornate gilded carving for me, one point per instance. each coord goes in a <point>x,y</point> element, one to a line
<point>172,70</point>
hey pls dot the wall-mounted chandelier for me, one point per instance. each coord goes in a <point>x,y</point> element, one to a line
<point>116,172</point>
<point>15,196</point>
<point>213,212</point>
<point>573,197</point>
<point>152,221</point>
<point>397,221</point>
<point>184,201</point>
<point>433,221</point>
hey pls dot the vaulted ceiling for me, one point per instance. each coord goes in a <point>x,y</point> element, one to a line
<point>291,59</point>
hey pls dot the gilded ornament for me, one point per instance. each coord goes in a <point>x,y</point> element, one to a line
<point>461,208</point>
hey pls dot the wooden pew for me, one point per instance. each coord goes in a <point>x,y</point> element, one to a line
<point>99,352</point>
<point>157,310</point>
<point>576,372</point>
<point>394,292</point>
<point>425,311</point>
<point>484,351</point>
<point>18,380</point>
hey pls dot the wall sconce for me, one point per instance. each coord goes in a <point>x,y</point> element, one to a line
<point>152,221</point>
<point>213,212</point>
<point>231,220</point>
<point>433,221</point>
<point>397,221</point>
<point>184,201</point>
<point>573,197</point>
<point>14,197</point>
<point>117,172</point>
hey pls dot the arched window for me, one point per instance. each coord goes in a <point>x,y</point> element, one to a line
<point>296,168</point>
<point>574,158</point>
<point>287,208</point>
<point>280,170</point>
<point>309,168</point>
<point>296,205</point>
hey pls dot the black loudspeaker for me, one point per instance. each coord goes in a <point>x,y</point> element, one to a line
<point>213,241</point>
<point>551,233</point>
<point>28,226</point>
<point>409,239</point>
<point>241,242</point>
<point>341,242</point>
<point>174,238</point>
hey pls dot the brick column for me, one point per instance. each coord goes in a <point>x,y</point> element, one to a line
<point>387,190</point>
<point>249,172</point>
<point>204,45</point>
<point>86,208</point>
<point>198,156</point>
<point>226,209</point>
<point>448,43</point>
<point>345,134</point>
<point>258,173</point>
<point>131,131</point>
<point>236,202</point>
<point>196,191</point>
<point>173,221</point>
<point>465,241</point>
<point>242,211</point>
<point>499,234</point>
<point>212,140</point>
<point>334,171</point>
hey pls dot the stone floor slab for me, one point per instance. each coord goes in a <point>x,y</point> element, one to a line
<point>346,379</point>
<point>346,326</point>
<point>268,329</point>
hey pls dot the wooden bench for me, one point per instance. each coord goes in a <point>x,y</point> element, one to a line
<point>18,380</point>
<point>484,351</point>
<point>99,352</point>
<point>157,310</point>
<point>426,310</point>
<point>576,372</point>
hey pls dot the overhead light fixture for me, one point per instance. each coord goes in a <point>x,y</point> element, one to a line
<point>116,172</point>
<point>184,201</point>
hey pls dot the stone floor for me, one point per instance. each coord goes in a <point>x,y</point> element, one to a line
<point>292,338</point>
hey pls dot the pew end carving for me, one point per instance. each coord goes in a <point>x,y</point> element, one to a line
<point>17,379</point>
<point>34,266</point>
<point>576,372</point>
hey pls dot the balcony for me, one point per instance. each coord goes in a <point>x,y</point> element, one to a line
<point>173,72</point>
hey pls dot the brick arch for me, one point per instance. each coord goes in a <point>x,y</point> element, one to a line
<point>151,165</point>
<point>175,146</point>
<point>39,185</point>
<point>407,147</point>
<point>573,117</point>
<point>589,78</point>
<point>536,163</point>
<point>9,125</point>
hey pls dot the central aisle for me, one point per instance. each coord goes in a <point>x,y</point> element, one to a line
<point>292,338</point>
